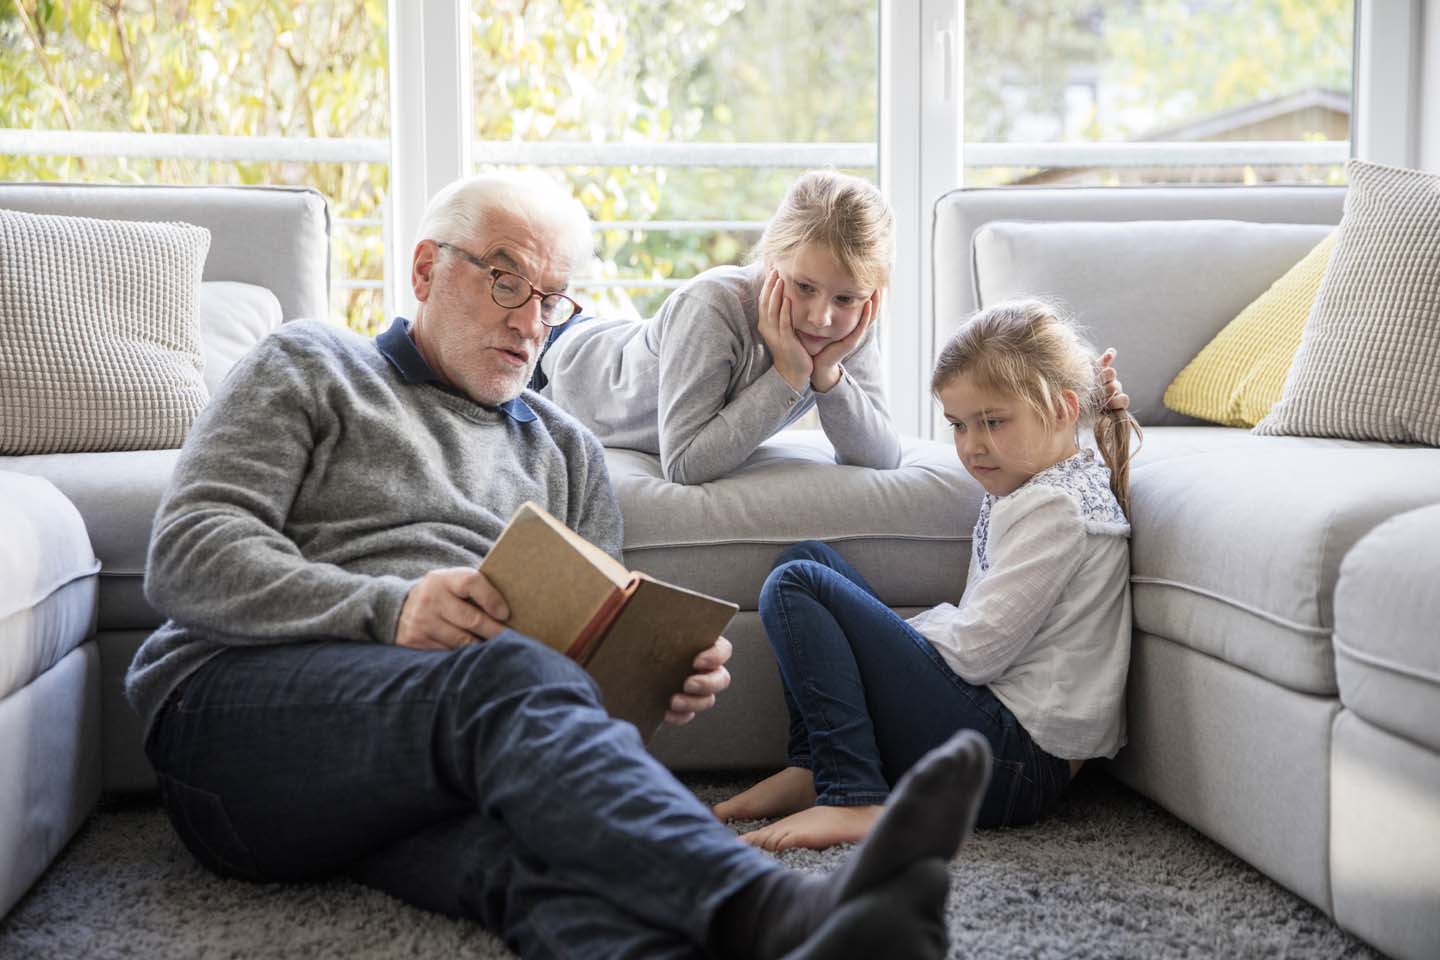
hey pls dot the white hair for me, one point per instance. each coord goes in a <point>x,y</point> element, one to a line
<point>457,213</point>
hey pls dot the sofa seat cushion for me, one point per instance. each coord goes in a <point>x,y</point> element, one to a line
<point>47,579</point>
<point>1238,539</point>
<point>117,494</point>
<point>906,530</point>
<point>1387,605</point>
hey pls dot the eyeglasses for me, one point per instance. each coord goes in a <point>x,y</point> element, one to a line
<point>511,291</point>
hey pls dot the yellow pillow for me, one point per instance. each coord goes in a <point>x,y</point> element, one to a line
<point>1237,378</point>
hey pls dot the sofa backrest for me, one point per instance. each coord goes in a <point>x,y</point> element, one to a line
<point>1153,271</point>
<point>276,237</point>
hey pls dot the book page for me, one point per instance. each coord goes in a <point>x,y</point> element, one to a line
<point>602,561</point>
<point>552,584</point>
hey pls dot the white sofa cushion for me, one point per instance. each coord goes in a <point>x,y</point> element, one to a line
<point>1387,606</point>
<point>1238,539</point>
<point>1154,289</point>
<point>233,317</point>
<point>99,347</point>
<point>47,579</point>
<point>906,530</point>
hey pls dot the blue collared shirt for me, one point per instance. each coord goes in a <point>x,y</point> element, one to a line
<point>398,347</point>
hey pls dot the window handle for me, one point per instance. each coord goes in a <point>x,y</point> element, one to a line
<point>945,40</point>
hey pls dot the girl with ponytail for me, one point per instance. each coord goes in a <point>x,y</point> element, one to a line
<point>1035,652</point>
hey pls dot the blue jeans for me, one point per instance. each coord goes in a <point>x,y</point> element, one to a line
<point>485,783</point>
<point>868,696</point>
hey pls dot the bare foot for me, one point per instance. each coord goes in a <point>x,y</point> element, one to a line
<point>789,791</point>
<point>816,828</point>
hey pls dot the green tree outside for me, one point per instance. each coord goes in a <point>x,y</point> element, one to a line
<point>649,71</point>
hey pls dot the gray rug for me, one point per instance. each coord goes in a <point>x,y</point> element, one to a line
<point>1111,875</point>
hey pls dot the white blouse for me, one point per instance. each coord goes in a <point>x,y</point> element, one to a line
<point>1045,617</point>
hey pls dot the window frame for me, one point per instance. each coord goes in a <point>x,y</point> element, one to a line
<point>919,155</point>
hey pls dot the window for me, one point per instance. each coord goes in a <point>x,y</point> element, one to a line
<point>236,92</point>
<point>1080,92</point>
<point>679,124</point>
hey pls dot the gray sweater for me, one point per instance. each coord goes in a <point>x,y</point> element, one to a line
<point>696,384</point>
<point>320,484</point>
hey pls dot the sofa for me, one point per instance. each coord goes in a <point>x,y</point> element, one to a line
<point>1280,700</point>
<point>1284,696</point>
<point>67,632</point>
<point>49,678</point>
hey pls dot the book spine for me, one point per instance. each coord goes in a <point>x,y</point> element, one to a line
<point>588,640</point>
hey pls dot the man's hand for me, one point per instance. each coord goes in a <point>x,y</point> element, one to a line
<point>1110,387</point>
<point>792,361</point>
<point>827,362</point>
<point>709,678</point>
<point>450,608</point>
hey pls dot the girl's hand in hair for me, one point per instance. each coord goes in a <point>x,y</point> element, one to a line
<point>792,361</point>
<point>1111,388</point>
<point>827,361</point>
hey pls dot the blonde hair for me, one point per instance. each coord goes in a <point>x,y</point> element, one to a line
<point>1028,350</point>
<point>845,215</point>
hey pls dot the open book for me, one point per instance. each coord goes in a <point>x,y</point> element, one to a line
<point>637,636</point>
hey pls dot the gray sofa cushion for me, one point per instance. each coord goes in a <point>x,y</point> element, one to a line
<point>1238,539</point>
<point>277,237</point>
<point>1385,839</point>
<point>907,530</point>
<point>1151,288</point>
<point>117,494</point>
<point>1368,367</point>
<point>1387,606</point>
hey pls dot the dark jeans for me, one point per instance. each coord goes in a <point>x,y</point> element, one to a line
<point>485,783</point>
<point>868,695</point>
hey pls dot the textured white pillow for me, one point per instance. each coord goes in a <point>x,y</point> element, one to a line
<point>1368,367</point>
<point>233,318</point>
<point>99,346</point>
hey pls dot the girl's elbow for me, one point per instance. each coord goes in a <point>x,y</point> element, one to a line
<point>687,470</point>
<point>675,471</point>
<point>979,678</point>
<point>978,673</point>
<point>888,460</point>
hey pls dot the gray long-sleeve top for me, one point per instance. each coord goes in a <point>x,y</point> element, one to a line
<point>697,385</point>
<point>323,481</point>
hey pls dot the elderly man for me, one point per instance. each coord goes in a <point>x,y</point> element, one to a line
<point>336,691</point>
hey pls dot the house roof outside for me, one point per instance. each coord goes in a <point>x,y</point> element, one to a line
<point>1294,116</point>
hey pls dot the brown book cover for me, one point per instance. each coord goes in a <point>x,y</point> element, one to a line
<point>637,635</point>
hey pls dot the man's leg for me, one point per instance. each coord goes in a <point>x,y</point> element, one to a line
<point>303,759</point>
<point>291,762</point>
<point>470,867</point>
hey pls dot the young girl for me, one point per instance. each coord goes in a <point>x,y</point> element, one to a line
<point>1034,656</point>
<point>740,353</point>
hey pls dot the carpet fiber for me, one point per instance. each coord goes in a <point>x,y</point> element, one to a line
<point>1111,875</point>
